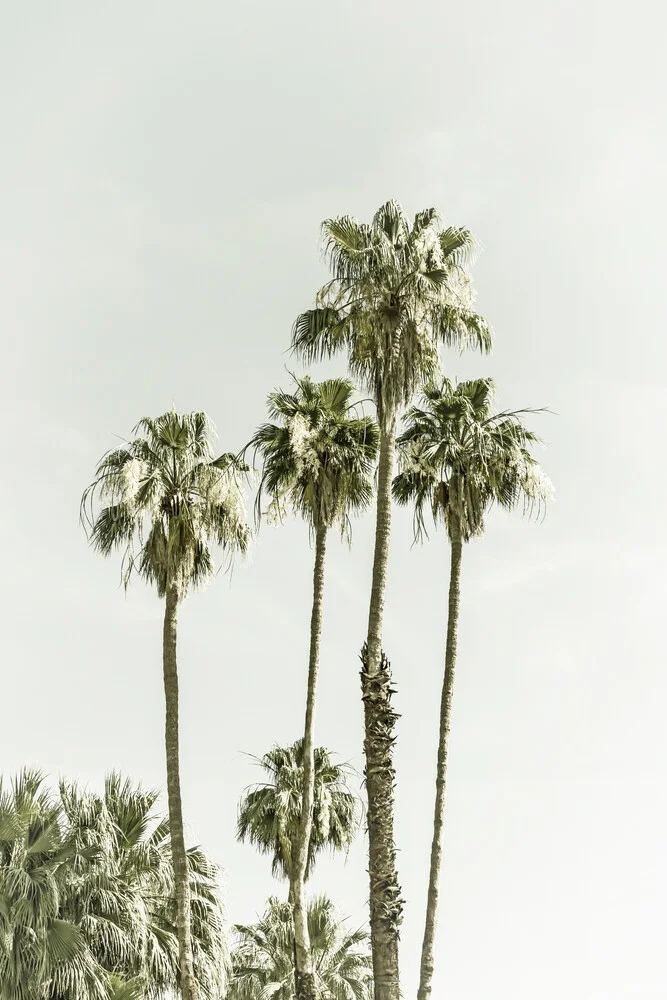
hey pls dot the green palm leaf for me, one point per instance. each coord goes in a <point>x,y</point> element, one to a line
<point>270,812</point>
<point>87,906</point>
<point>166,500</point>
<point>457,459</point>
<point>263,961</point>
<point>397,292</point>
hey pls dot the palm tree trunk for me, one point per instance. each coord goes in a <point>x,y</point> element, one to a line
<point>382,536</point>
<point>385,894</point>
<point>303,973</point>
<point>428,944</point>
<point>179,857</point>
<point>290,900</point>
<point>386,905</point>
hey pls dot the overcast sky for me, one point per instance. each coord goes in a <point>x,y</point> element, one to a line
<point>163,173</point>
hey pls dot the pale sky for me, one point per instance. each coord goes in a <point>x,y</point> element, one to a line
<point>163,173</point>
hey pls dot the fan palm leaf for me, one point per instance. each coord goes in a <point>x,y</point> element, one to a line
<point>263,961</point>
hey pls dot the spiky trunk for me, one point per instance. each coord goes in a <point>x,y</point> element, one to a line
<point>385,893</point>
<point>430,927</point>
<point>386,905</point>
<point>304,977</point>
<point>179,857</point>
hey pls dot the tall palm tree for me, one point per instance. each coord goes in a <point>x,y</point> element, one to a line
<point>457,459</point>
<point>168,501</point>
<point>87,904</point>
<point>263,962</point>
<point>397,292</point>
<point>318,460</point>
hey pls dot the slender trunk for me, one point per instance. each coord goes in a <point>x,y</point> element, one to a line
<point>385,893</point>
<point>428,944</point>
<point>303,974</point>
<point>290,900</point>
<point>179,857</point>
<point>381,551</point>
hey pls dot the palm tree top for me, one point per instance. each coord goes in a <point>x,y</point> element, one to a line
<point>318,456</point>
<point>166,499</point>
<point>398,290</point>
<point>270,812</point>
<point>263,962</point>
<point>458,458</point>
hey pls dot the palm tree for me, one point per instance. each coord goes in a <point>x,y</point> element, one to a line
<point>133,891</point>
<point>168,500</point>
<point>397,292</point>
<point>270,813</point>
<point>318,460</point>
<point>458,459</point>
<point>263,962</point>
<point>40,951</point>
<point>87,903</point>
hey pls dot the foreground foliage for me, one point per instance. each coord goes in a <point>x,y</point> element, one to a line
<point>87,901</point>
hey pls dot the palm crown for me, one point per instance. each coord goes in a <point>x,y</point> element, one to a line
<point>318,458</point>
<point>457,458</point>
<point>270,813</point>
<point>167,496</point>
<point>263,962</point>
<point>397,291</point>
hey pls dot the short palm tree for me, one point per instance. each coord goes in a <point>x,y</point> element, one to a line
<point>128,910</point>
<point>398,291</point>
<point>263,962</point>
<point>41,952</point>
<point>167,501</point>
<point>318,460</point>
<point>270,812</point>
<point>87,904</point>
<point>457,459</point>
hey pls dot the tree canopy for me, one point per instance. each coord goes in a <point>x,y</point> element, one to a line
<point>270,812</point>
<point>263,961</point>
<point>87,908</point>
<point>167,500</point>
<point>318,456</point>
<point>397,291</point>
<point>457,458</point>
